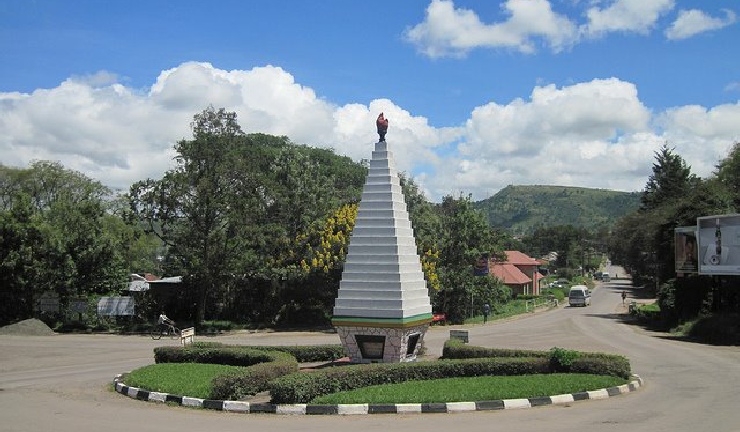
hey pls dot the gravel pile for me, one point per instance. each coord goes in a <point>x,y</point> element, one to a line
<point>29,327</point>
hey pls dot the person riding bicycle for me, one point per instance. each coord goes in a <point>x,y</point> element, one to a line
<point>165,327</point>
<point>165,320</point>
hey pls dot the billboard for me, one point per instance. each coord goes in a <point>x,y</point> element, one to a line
<point>686,250</point>
<point>116,306</point>
<point>719,244</point>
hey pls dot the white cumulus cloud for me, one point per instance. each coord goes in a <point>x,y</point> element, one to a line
<point>692,22</point>
<point>119,136</point>
<point>638,16</point>
<point>593,134</point>
<point>447,30</point>
<point>450,31</point>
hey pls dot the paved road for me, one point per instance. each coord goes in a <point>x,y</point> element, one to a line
<point>61,383</point>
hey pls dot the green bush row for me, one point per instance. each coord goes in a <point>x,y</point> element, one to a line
<point>302,354</point>
<point>456,349</point>
<point>304,387</point>
<point>308,354</point>
<point>561,360</point>
<point>224,355</point>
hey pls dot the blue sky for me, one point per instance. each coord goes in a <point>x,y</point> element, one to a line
<point>479,95</point>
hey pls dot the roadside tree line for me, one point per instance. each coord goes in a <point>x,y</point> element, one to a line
<point>644,241</point>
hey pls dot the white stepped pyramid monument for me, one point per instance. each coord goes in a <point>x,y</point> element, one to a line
<point>382,310</point>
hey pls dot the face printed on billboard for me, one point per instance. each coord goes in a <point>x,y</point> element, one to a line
<point>686,251</point>
<point>718,250</point>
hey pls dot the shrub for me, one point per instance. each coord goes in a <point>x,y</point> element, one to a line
<point>224,355</point>
<point>601,364</point>
<point>722,329</point>
<point>562,359</point>
<point>254,379</point>
<point>307,354</point>
<point>456,349</point>
<point>303,387</point>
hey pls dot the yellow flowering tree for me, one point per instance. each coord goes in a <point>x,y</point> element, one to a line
<point>324,247</point>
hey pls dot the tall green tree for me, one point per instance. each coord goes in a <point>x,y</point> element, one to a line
<point>671,179</point>
<point>465,236</point>
<point>190,207</point>
<point>645,240</point>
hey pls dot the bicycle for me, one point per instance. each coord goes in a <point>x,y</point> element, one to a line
<point>165,330</point>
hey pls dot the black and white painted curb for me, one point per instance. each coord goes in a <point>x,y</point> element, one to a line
<point>355,409</point>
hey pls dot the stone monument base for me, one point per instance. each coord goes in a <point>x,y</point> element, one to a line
<point>382,344</point>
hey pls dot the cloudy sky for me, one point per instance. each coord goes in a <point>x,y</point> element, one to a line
<point>480,94</point>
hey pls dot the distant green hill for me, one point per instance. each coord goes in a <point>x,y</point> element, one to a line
<point>523,209</point>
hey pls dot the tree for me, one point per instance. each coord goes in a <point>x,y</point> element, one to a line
<point>464,237</point>
<point>54,238</point>
<point>568,241</point>
<point>229,211</point>
<point>728,175</point>
<point>671,179</point>
<point>190,207</point>
<point>427,224</point>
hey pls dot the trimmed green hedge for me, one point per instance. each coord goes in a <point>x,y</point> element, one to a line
<point>309,354</point>
<point>302,354</point>
<point>460,361</point>
<point>303,387</point>
<point>456,349</point>
<point>561,360</point>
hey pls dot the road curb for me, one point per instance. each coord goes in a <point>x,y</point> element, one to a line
<point>362,409</point>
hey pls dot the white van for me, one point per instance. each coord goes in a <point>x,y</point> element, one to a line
<point>605,277</point>
<point>579,296</point>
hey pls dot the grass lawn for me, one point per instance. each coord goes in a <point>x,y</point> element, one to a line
<point>473,389</point>
<point>507,310</point>
<point>184,379</point>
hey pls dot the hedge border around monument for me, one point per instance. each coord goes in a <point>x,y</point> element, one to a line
<point>272,368</point>
<point>361,409</point>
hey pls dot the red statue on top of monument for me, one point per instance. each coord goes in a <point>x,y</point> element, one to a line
<point>382,124</point>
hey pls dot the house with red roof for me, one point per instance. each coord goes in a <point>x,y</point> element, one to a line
<point>519,272</point>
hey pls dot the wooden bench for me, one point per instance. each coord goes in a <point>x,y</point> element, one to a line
<point>187,336</point>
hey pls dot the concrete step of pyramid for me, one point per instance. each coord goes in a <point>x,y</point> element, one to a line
<point>382,276</point>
